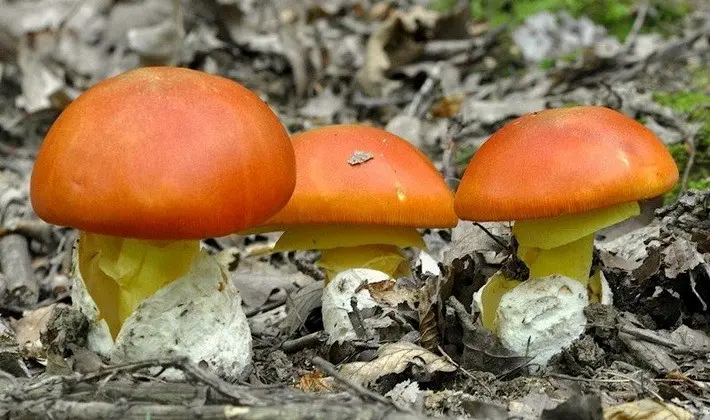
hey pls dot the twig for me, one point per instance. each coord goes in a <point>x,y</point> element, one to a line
<point>692,151</point>
<point>464,371</point>
<point>591,380</point>
<point>651,337</point>
<point>415,108</point>
<point>209,378</point>
<point>328,368</point>
<point>467,320</point>
<point>494,237</point>
<point>637,382</point>
<point>22,289</point>
<point>478,53</point>
<point>265,308</point>
<point>637,25</point>
<point>300,343</point>
<point>183,364</point>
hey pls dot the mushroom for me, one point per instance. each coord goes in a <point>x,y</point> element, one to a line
<point>361,193</point>
<point>145,164</point>
<point>561,175</point>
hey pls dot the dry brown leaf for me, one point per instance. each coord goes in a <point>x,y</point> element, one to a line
<point>395,358</point>
<point>646,410</point>
<point>448,106</point>
<point>28,330</point>
<point>315,382</point>
<point>301,303</point>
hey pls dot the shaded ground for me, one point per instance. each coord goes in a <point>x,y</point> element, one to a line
<point>443,81</point>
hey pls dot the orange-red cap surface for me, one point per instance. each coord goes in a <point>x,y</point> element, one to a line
<point>398,186</point>
<point>563,161</point>
<point>164,153</point>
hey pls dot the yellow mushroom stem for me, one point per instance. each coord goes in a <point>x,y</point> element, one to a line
<point>561,245</point>
<point>564,244</point>
<point>119,273</point>
<point>354,246</point>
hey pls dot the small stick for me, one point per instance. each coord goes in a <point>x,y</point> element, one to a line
<point>328,368</point>
<point>300,343</point>
<point>637,25</point>
<point>464,371</point>
<point>265,308</point>
<point>191,369</point>
<point>22,289</point>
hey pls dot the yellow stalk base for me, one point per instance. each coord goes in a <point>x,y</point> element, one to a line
<point>564,245</point>
<point>557,231</point>
<point>573,260</point>
<point>386,258</point>
<point>595,288</point>
<point>337,236</point>
<point>119,273</point>
<point>493,291</point>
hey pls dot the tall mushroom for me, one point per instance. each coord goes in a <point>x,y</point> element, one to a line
<point>561,175</point>
<point>145,164</point>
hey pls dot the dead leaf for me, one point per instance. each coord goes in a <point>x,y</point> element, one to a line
<point>468,238</point>
<point>315,382</point>
<point>681,256</point>
<point>632,248</point>
<point>323,106</point>
<point>392,45</point>
<point>448,106</point>
<point>579,407</point>
<point>495,111</point>
<point>301,304</point>
<point>428,308</point>
<point>256,287</point>
<point>40,81</point>
<point>159,44</point>
<point>654,355</point>
<point>646,409</point>
<point>57,365</point>
<point>406,393</point>
<point>29,328</point>
<point>694,339</point>
<point>395,358</point>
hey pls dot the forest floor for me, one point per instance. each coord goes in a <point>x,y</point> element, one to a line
<point>442,77</point>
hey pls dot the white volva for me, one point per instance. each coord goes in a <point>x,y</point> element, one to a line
<point>542,316</point>
<point>198,316</point>
<point>338,296</point>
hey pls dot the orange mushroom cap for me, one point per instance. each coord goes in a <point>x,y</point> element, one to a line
<point>164,153</point>
<point>398,186</point>
<point>563,161</point>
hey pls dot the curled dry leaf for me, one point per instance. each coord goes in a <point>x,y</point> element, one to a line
<point>680,257</point>
<point>395,358</point>
<point>646,410</point>
<point>302,303</point>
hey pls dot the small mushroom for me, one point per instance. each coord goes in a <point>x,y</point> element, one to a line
<point>561,175</point>
<point>360,214</point>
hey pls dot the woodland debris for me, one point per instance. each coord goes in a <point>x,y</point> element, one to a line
<point>21,286</point>
<point>395,358</point>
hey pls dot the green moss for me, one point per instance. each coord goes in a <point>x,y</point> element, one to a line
<point>695,103</point>
<point>616,15</point>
